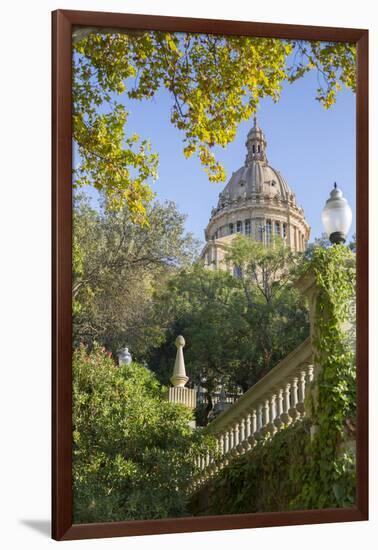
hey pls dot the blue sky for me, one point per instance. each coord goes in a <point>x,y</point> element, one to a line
<point>310,146</point>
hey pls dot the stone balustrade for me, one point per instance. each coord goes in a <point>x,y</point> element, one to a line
<point>185,396</point>
<point>275,401</point>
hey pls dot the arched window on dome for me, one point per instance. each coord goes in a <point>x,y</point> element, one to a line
<point>247,226</point>
<point>239,227</point>
<point>231,228</point>
<point>277,229</point>
<point>284,230</point>
<point>253,149</point>
<point>258,149</point>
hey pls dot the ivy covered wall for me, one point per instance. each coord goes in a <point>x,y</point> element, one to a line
<point>309,464</point>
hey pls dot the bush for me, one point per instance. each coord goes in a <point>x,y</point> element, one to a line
<point>133,450</point>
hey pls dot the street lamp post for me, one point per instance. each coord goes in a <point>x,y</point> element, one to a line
<point>337,216</point>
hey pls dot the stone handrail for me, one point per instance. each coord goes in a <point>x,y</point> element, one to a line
<point>271,404</point>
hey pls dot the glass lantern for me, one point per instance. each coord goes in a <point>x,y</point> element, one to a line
<point>337,216</point>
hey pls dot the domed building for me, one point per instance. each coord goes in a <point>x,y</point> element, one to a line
<point>256,202</point>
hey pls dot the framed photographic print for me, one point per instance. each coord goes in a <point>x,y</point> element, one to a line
<point>210,270</point>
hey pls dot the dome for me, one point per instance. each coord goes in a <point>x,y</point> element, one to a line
<point>256,202</point>
<point>255,178</point>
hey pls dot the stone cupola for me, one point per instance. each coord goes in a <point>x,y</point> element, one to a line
<point>256,144</point>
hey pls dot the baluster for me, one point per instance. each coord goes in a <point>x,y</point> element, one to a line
<point>213,455</point>
<point>248,425</point>
<point>221,446</point>
<point>242,429</point>
<point>211,464</point>
<point>231,438</point>
<point>226,443</point>
<point>301,392</point>
<point>265,418</point>
<point>241,432</point>
<point>218,453</point>
<point>252,437</point>
<point>254,427</point>
<point>294,398</point>
<point>207,459</point>
<point>286,404</point>
<point>247,433</point>
<point>279,408</point>
<point>310,374</point>
<point>259,421</point>
<point>224,449</point>
<point>236,434</point>
<point>272,414</point>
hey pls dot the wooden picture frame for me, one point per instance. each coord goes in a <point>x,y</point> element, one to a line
<point>62,23</point>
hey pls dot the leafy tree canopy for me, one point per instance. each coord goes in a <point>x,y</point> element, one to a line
<point>117,265</point>
<point>133,454</point>
<point>236,328</point>
<point>215,83</point>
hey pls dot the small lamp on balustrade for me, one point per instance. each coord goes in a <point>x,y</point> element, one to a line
<point>124,357</point>
<point>337,216</point>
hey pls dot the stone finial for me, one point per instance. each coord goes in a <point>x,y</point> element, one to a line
<point>179,378</point>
